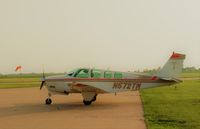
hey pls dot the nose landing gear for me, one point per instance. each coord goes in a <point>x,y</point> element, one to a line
<point>48,101</point>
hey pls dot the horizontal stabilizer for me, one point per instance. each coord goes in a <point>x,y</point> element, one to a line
<point>171,79</point>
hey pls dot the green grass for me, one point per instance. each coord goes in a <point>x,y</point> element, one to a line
<point>190,75</point>
<point>28,75</point>
<point>170,108</point>
<point>19,82</point>
<point>22,80</point>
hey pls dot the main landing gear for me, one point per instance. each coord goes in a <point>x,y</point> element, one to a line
<point>86,102</point>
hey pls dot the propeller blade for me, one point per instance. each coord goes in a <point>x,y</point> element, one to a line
<point>43,80</point>
<point>42,84</point>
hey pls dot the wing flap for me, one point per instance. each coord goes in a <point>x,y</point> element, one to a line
<point>86,88</point>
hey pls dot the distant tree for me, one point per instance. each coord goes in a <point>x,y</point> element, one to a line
<point>190,69</point>
<point>137,71</point>
<point>151,71</point>
<point>185,70</point>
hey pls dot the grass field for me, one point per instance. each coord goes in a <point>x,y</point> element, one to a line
<point>22,80</point>
<point>190,75</point>
<point>19,82</point>
<point>170,108</point>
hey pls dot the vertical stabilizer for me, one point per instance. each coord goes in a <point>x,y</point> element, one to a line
<point>173,67</point>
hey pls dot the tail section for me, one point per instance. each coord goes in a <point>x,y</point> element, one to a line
<point>173,67</point>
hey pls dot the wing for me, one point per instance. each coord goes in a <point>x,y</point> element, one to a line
<point>84,87</point>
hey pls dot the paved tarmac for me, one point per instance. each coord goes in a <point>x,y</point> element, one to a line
<point>24,108</point>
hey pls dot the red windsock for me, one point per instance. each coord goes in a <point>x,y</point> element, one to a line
<point>18,68</point>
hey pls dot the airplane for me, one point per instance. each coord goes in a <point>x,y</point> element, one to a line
<point>90,82</point>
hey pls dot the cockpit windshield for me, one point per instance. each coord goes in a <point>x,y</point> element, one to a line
<point>79,73</point>
<point>71,73</point>
<point>82,73</point>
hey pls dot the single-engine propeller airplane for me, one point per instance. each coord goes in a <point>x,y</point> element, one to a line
<point>91,82</point>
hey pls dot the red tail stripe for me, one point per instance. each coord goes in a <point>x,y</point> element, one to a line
<point>177,56</point>
<point>17,68</point>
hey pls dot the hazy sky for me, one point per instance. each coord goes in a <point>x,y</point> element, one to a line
<point>116,34</point>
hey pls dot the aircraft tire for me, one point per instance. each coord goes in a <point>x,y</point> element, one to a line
<point>87,102</point>
<point>94,98</point>
<point>48,101</point>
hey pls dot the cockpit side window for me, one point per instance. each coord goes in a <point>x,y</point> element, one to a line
<point>118,75</point>
<point>95,73</point>
<point>108,74</point>
<point>82,73</point>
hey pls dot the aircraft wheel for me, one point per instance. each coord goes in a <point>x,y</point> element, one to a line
<point>48,101</point>
<point>94,98</point>
<point>87,102</point>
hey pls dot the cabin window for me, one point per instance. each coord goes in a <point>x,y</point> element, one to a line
<point>83,73</point>
<point>118,75</point>
<point>95,73</point>
<point>108,74</point>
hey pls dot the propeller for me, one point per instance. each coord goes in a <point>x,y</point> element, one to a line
<point>42,84</point>
<point>43,81</point>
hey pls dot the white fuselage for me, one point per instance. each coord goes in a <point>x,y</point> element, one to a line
<point>62,84</point>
